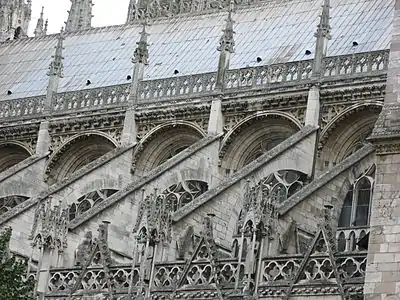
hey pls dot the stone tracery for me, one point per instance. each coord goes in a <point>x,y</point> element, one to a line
<point>87,201</point>
<point>9,202</point>
<point>180,194</point>
<point>154,232</point>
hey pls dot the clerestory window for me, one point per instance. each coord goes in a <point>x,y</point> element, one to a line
<point>356,206</point>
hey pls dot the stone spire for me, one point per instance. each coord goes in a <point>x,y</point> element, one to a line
<point>41,26</point>
<point>55,69</point>
<point>140,59</point>
<point>323,36</point>
<point>226,47</point>
<point>131,12</point>
<point>15,16</point>
<point>56,66</point>
<point>141,54</point>
<point>55,73</point>
<point>80,15</point>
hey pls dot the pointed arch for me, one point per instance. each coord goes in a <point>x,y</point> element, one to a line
<point>163,142</point>
<point>11,153</point>
<point>88,201</point>
<point>182,193</point>
<point>346,133</point>
<point>255,135</point>
<point>77,152</point>
<point>356,205</point>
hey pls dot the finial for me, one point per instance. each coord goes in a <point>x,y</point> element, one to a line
<point>231,8</point>
<point>46,26</point>
<point>41,28</point>
<point>322,35</point>
<point>56,66</point>
<point>227,42</point>
<point>324,28</point>
<point>141,54</point>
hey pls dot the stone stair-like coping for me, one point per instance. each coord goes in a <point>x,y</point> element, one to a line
<point>136,185</point>
<point>243,173</point>
<point>62,184</point>
<point>324,179</point>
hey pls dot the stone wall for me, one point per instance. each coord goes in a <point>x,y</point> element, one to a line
<point>110,171</point>
<point>383,270</point>
<point>226,200</point>
<point>24,179</point>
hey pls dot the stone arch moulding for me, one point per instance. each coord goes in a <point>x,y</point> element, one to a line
<point>163,142</point>
<point>76,152</point>
<point>241,141</point>
<point>350,126</point>
<point>13,152</point>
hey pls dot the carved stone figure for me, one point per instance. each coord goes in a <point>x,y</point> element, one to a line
<point>286,236</point>
<point>185,245</point>
<point>84,249</point>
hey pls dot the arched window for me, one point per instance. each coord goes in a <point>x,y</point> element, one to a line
<point>356,206</point>
<point>87,201</point>
<point>178,195</point>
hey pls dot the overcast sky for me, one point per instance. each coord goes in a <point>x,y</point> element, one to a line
<point>106,12</point>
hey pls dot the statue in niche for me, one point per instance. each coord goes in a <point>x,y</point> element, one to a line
<point>185,244</point>
<point>286,236</point>
<point>84,249</point>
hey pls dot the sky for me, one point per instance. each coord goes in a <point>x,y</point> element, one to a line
<point>106,12</point>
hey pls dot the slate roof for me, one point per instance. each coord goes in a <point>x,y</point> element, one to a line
<point>276,31</point>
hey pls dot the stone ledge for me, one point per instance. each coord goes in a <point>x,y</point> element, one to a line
<point>325,178</point>
<point>243,173</point>
<point>65,182</point>
<point>188,152</point>
<point>20,166</point>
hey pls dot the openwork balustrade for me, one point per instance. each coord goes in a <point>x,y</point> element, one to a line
<point>276,275</point>
<point>22,108</point>
<point>272,76</point>
<point>95,279</point>
<point>92,99</point>
<point>348,239</point>
<point>177,86</point>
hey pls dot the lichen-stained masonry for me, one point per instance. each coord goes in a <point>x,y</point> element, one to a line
<point>204,150</point>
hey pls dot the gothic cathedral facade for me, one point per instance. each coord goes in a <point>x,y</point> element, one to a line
<point>205,149</point>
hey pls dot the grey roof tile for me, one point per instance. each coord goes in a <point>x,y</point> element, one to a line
<point>277,31</point>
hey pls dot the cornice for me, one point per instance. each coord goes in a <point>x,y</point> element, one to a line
<point>18,130</point>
